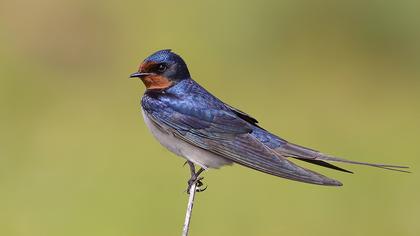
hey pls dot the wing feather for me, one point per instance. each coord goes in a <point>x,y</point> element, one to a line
<point>226,135</point>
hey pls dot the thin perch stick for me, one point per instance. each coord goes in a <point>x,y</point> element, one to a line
<point>190,205</point>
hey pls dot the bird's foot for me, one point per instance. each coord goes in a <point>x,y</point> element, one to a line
<point>196,180</point>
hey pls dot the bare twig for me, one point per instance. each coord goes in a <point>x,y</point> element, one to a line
<point>190,205</point>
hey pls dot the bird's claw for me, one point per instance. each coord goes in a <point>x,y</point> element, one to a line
<point>201,189</point>
<point>197,181</point>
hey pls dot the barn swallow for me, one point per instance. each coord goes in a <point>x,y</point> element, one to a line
<point>194,124</point>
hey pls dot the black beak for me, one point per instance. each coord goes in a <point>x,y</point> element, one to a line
<point>139,75</point>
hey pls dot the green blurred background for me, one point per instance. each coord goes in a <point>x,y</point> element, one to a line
<point>339,76</point>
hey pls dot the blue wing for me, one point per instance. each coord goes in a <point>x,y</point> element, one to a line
<point>205,122</point>
<point>287,149</point>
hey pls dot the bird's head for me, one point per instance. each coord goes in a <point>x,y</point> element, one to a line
<point>161,70</point>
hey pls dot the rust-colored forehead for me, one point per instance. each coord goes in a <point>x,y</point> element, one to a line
<point>145,66</point>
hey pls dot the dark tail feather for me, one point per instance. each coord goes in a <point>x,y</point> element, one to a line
<point>383,166</point>
<point>399,170</point>
<point>315,157</point>
<point>325,164</point>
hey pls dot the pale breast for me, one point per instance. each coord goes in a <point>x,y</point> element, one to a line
<point>183,149</point>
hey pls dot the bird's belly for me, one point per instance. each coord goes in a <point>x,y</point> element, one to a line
<point>181,148</point>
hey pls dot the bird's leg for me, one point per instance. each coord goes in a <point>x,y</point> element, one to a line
<point>195,178</point>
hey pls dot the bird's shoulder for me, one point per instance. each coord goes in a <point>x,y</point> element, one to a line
<point>185,97</point>
<point>190,107</point>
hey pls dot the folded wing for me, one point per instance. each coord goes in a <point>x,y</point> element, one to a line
<point>224,134</point>
<point>287,149</point>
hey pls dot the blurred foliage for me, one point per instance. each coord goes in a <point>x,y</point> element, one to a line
<point>339,76</point>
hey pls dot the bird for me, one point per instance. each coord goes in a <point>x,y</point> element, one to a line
<point>196,125</point>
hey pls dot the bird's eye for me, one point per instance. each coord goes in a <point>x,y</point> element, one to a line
<point>161,68</point>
